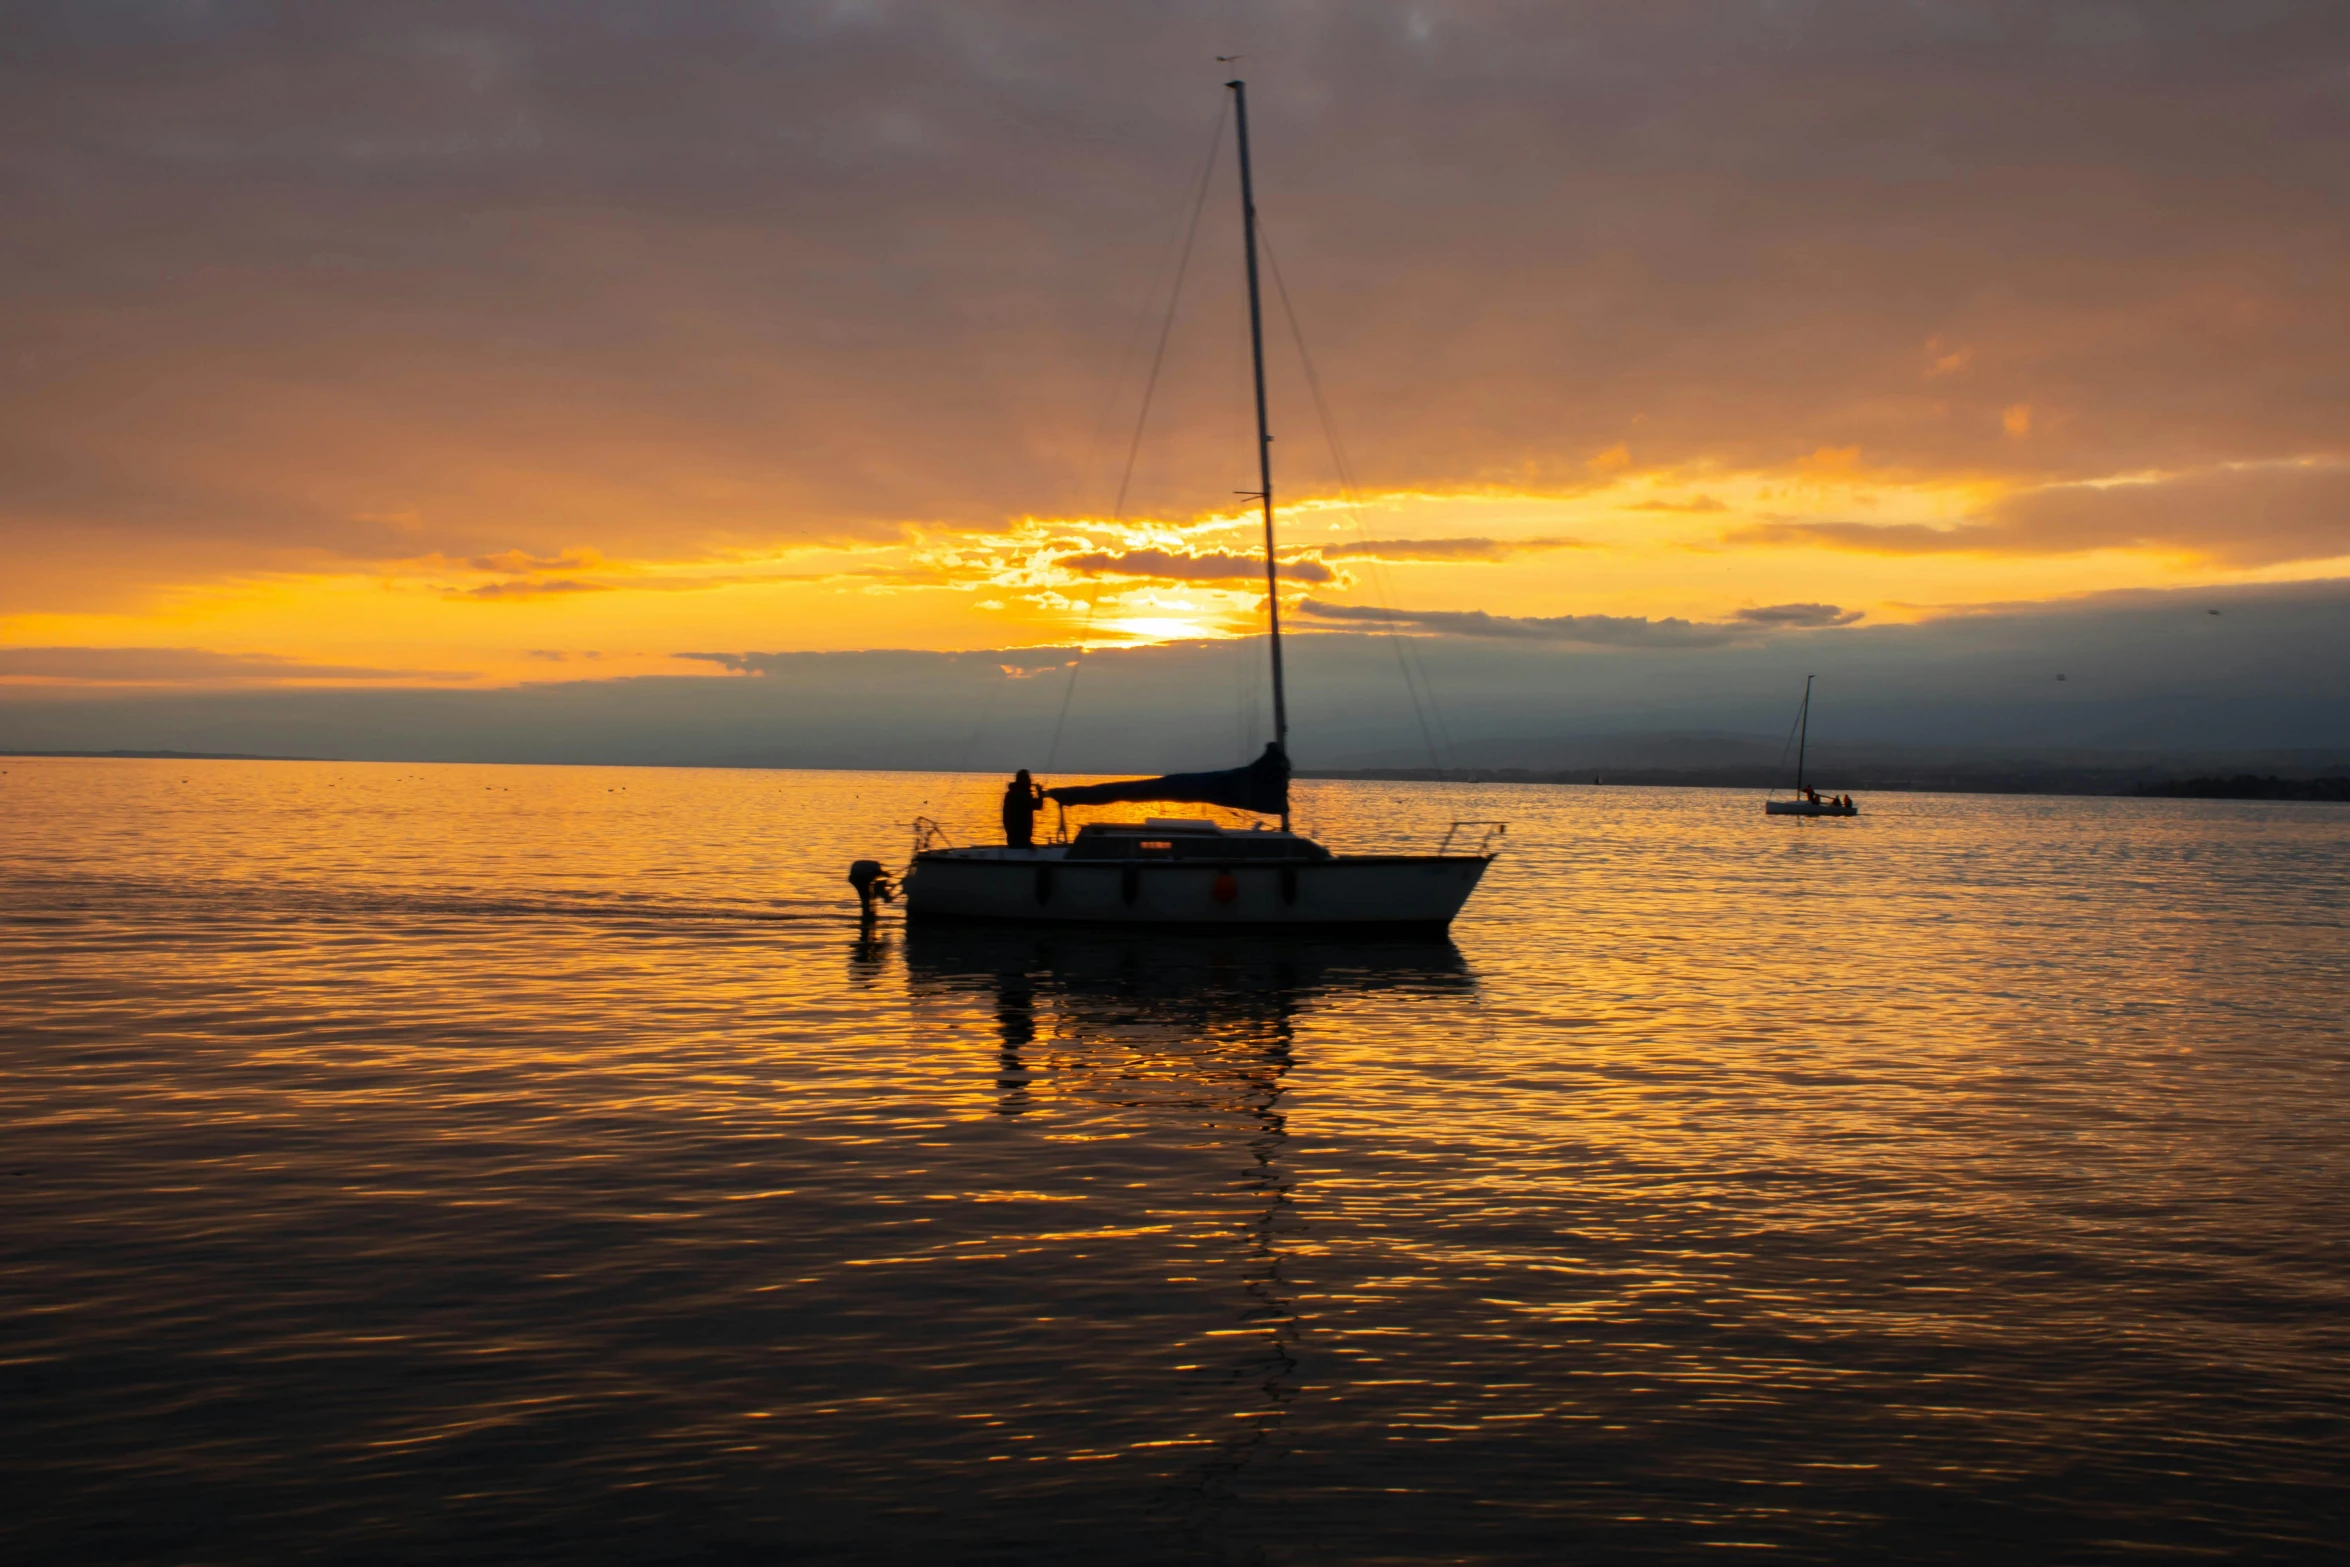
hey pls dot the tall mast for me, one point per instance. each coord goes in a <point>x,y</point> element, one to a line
<point>1804,734</point>
<point>1256,343</point>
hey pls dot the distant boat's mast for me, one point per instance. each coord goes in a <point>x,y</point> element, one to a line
<point>1256,343</point>
<point>1804,737</point>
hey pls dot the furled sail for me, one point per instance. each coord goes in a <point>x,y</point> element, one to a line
<point>1263,785</point>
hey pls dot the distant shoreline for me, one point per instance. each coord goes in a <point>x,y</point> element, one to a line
<point>2126,784</point>
<point>2109,783</point>
<point>2245,786</point>
<point>180,756</point>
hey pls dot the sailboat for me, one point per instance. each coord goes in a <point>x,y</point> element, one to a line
<point>1193,873</point>
<point>1807,801</point>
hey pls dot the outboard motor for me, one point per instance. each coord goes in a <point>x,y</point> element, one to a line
<point>871,881</point>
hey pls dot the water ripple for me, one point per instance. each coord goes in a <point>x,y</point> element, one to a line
<point>516,1163</point>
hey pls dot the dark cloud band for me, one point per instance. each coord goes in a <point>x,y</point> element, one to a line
<point>183,666</point>
<point>1447,550</point>
<point>1589,630</point>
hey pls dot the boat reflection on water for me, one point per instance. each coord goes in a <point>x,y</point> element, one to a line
<point>1224,1004</point>
<point>1198,1032</point>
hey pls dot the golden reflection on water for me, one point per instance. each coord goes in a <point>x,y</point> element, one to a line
<point>542,1156</point>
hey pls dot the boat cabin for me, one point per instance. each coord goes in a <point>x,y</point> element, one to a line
<point>1183,838</point>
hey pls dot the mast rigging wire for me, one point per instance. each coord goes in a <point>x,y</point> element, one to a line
<point>1800,713</point>
<point>1199,202</point>
<point>986,706</point>
<point>1348,491</point>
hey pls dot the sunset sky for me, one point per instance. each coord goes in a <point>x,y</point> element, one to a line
<point>483,345</point>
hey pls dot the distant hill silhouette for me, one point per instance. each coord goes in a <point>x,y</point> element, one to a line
<point>1719,761</point>
<point>2250,786</point>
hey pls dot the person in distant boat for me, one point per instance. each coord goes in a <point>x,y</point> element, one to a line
<point>1022,800</point>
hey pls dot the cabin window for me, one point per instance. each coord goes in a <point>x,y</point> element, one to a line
<point>1163,845</point>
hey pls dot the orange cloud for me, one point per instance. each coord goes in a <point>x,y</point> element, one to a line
<point>530,588</point>
<point>1695,503</point>
<point>1831,462</point>
<point>2242,516</point>
<point>1212,566</point>
<point>1441,550</point>
<point>520,563</point>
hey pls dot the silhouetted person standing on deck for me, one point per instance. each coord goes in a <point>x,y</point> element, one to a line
<point>1022,800</point>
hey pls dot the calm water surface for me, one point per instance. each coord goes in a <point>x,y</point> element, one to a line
<point>411,1163</point>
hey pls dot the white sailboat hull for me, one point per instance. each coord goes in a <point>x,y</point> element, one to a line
<point>1807,808</point>
<point>1042,886</point>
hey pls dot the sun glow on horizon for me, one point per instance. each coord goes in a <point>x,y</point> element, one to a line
<point>1702,544</point>
<point>1149,630</point>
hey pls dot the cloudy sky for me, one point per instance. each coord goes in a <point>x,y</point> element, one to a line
<point>477,346</point>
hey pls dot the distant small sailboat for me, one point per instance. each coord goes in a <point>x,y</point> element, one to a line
<point>1807,801</point>
<point>1189,872</point>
